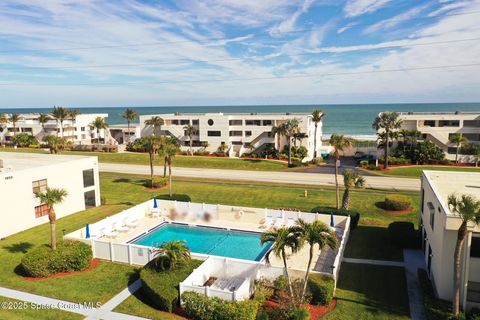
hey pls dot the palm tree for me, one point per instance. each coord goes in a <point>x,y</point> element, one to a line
<point>317,116</point>
<point>43,118</point>
<point>404,134</point>
<point>14,118</point>
<point>314,233</point>
<point>189,132</point>
<point>129,115</point>
<point>279,131</point>
<point>168,149</point>
<point>3,120</point>
<point>291,127</point>
<point>351,179</point>
<point>174,252</point>
<point>50,198</point>
<point>60,114</point>
<point>54,143</point>
<point>299,136</point>
<point>387,121</point>
<point>458,139</point>
<point>339,142</point>
<point>156,122</point>
<point>283,238</point>
<point>73,113</point>
<point>99,124</point>
<point>151,144</point>
<point>467,208</point>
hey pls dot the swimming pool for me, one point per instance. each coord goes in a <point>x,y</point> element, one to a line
<point>211,241</point>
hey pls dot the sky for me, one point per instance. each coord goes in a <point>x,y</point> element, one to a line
<point>227,52</point>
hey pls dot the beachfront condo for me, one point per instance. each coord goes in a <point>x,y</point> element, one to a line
<point>77,131</point>
<point>24,174</point>
<point>439,228</point>
<point>239,133</point>
<point>438,127</point>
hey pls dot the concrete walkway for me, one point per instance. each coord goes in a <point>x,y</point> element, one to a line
<point>375,262</point>
<point>104,312</point>
<point>413,261</point>
<point>322,179</point>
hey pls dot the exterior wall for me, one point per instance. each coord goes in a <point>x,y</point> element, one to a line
<point>18,201</point>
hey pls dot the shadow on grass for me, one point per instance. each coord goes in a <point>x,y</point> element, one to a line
<point>178,197</point>
<point>19,271</point>
<point>19,247</point>
<point>121,180</point>
<point>380,205</point>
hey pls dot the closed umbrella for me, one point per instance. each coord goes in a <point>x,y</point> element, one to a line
<point>87,231</point>
<point>332,223</point>
<point>155,206</point>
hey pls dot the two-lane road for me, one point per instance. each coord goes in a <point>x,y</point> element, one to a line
<point>376,182</point>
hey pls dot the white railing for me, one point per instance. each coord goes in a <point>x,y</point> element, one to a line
<point>341,251</point>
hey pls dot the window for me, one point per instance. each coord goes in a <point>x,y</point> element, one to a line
<point>432,214</point>
<point>475,247</point>
<point>184,122</point>
<point>267,122</point>
<point>248,133</point>
<point>422,201</point>
<point>88,178</point>
<point>195,122</point>
<point>89,197</point>
<point>175,122</point>
<point>253,122</point>
<point>210,122</point>
<point>214,133</point>
<point>41,210</point>
<point>429,123</point>
<point>82,128</point>
<point>235,133</point>
<point>449,123</point>
<point>39,186</point>
<point>235,122</point>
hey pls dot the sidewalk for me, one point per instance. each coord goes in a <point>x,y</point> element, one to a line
<point>413,261</point>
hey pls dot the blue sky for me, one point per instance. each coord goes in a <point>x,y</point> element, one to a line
<point>200,52</point>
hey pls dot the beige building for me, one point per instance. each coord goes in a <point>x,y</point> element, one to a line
<point>439,126</point>
<point>240,132</point>
<point>23,174</point>
<point>439,234</point>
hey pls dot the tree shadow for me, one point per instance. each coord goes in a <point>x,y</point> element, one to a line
<point>178,197</point>
<point>19,247</point>
<point>122,180</point>
<point>380,205</point>
<point>20,271</point>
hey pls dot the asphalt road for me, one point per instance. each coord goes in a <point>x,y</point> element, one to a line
<point>375,182</point>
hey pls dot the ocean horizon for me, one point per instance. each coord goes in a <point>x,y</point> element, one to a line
<point>351,119</point>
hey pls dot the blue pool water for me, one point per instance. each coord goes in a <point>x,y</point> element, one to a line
<point>212,241</point>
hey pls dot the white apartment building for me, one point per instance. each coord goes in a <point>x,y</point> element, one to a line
<point>439,229</point>
<point>240,132</point>
<point>439,126</point>
<point>78,131</point>
<point>23,174</point>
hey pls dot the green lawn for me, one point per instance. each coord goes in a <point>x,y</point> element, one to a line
<point>370,292</point>
<point>416,171</point>
<point>30,313</point>
<point>180,161</point>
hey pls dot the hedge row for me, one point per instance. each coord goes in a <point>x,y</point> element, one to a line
<point>354,215</point>
<point>70,256</point>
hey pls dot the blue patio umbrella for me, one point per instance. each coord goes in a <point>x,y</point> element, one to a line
<point>87,231</point>
<point>155,203</point>
<point>332,223</point>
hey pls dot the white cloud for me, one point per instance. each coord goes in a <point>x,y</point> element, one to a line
<point>289,23</point>
<point>396,20</point>
<point>355,8</point>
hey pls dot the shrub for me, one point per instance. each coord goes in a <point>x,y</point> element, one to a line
<point>374,167</point>
<point>24,140</point>
<point>364,164</point>
<point>396,202</point>
<point>103,200</point>
<point>70,256</point>
<point>161,287</point>
<point>435,308</point>
<point>395,160</point>
<point>402,234</point>
<point>354,215</point>
<point>200,307</point>
<point>157,182</point>
<point>321,288</point>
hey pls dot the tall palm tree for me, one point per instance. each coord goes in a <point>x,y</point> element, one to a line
<point>317,116</point>
<point>174,252</point>
<point>129,115</point>
<point>168,150</point>
<point>299,136</point>
<point>54,143</point>
<point>458,139</point>
<point>351,179</point>
<point>404,134</point>
<point>283,238</point>
<point>291,127</point>
<point>466,208</point>
<point>60,114</point>
<point>156,122</point>
<point>315,233</point>
<point>339,143</point>
<point>99,124</point>
<point>189,132</point>
<point>151,144</point>
<point>14,118</point>
<point>72,114</point>
<point>387,121</point>
<point>279,131</point>
<point>50,198</point>
<point>43,118</point>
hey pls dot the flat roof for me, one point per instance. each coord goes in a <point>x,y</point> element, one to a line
<point>186,114</point>
<point>16,161</point>
<point>445,183</point>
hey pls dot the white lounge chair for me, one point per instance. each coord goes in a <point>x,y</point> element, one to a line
<point>109,233</point>
<point>131,222</point>
<point>120,227</point>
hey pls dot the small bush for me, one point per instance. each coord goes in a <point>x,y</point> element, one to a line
<point>161,287</point>
<point>397,202</point>
<point>364,164</point>
<point>403,235</point>
<point>321,288</point>
<point>70,256</point>
<point>200,307</point>
<point>157,183</point>
<point>435,308</point>
<point>374,167</point>
<point>354,215</point>
<point>103,200</point>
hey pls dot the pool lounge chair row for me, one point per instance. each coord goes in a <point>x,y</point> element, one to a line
<point>112,230</point>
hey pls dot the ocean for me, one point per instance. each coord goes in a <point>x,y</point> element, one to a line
<point>350,119</point>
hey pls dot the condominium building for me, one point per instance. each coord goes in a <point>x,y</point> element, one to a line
<point>77,131</point>
<point>239,132</point>
<point>439,228</point>
<point>438,127</point>
<point>24,174</point>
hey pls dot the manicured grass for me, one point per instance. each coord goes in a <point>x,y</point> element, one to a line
<point>371,292</point>
<point>30,313</point>
<point>138,305</point>
<point>372,242</point>
<point>416,171</point>
<point>180,161</point>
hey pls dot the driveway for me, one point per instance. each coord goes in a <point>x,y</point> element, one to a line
<point>329,167</point>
